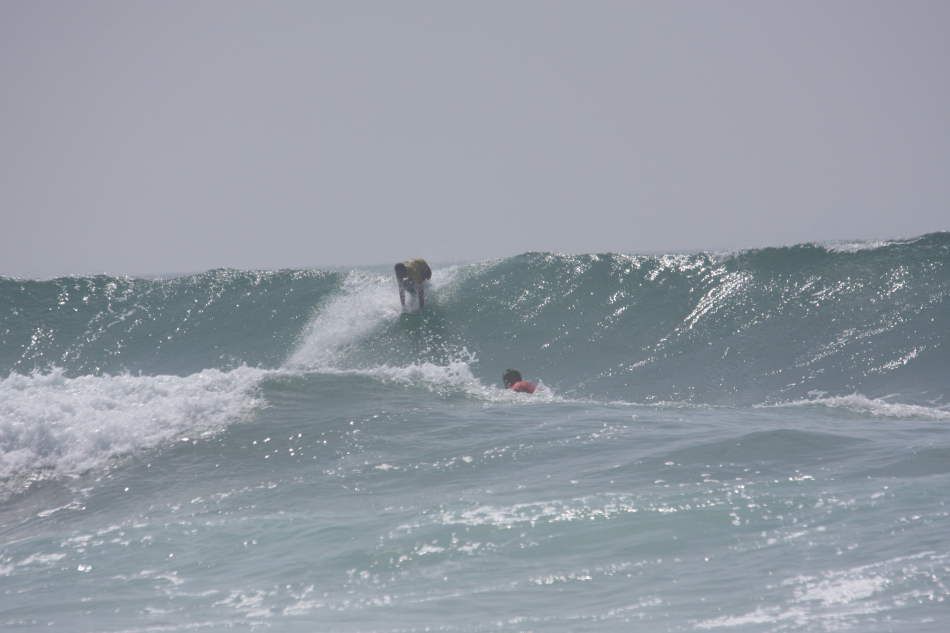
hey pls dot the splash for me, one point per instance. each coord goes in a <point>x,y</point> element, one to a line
<point>363,304</point>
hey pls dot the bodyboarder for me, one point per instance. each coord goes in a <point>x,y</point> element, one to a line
<point>513,380</point>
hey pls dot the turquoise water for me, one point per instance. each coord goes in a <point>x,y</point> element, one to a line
<point>753,441</point>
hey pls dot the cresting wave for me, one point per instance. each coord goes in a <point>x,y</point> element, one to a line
<point>52,425</point>
<point>878,407</point>
<point>103,366</point>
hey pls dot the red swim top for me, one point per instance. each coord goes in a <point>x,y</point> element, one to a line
<point>524,386</point>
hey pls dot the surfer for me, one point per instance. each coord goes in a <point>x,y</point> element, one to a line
<point>513,380</point>
<point>411,276</point>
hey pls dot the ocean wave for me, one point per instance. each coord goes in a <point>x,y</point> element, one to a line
<point>878,407</point>
<point>755,326</point>
<point>54,426</point>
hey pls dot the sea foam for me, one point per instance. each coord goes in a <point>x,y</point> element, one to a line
<point>52,425</point>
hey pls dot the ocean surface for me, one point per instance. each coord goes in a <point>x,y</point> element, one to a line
<point>751,441</point>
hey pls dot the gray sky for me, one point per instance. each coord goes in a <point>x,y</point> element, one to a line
<point>178,136</point>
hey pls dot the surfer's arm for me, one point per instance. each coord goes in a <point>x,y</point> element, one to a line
<point>402,291</point>
<point>421,293</point>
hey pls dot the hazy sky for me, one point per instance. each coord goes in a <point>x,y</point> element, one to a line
<point>169,136</point>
